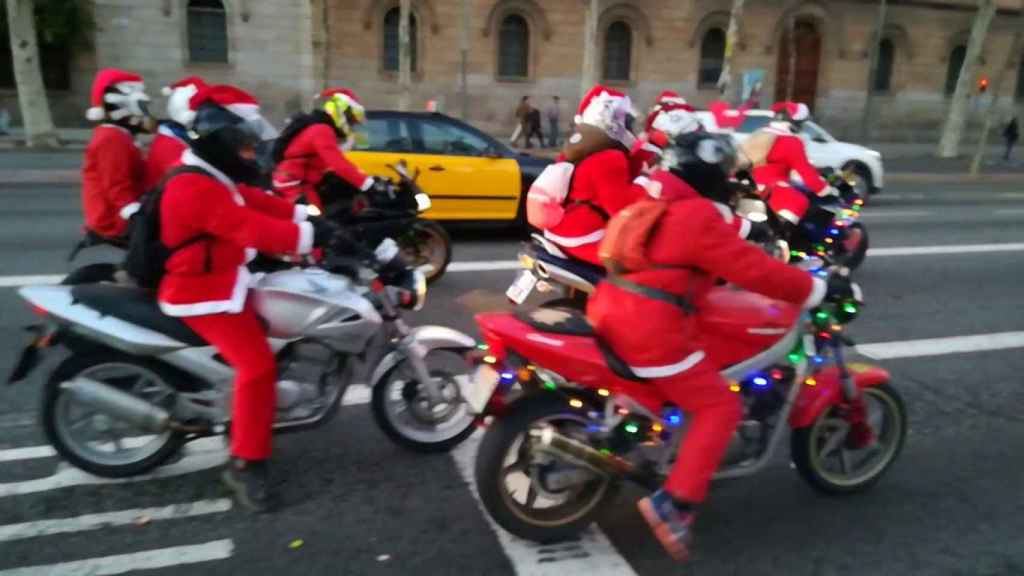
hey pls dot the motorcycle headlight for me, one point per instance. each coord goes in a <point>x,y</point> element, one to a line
<point>423,202</point>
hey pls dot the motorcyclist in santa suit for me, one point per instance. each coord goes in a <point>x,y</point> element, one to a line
<point>218,224</point>
<point>309,156</point>
<point>650,317</point>
<point>112,171</point>
<point>774,152</point>
<point>171,139</point>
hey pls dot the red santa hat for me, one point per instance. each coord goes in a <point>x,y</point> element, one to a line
<point>795,111</point>
<point>672,98</point>
<point>236,101</point>
<point>671,103</point>
<point>179,94</point>
<point>125,82</point>
<point>608,110</point>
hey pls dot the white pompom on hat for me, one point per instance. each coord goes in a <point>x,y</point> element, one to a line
<point>179,96</point>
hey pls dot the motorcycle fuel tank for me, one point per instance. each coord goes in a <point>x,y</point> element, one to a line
<point>312,303</point>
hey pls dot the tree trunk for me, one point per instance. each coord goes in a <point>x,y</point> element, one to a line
<point>997,87</point>
<point>956,120</point>
<point>731,39</point>
<point>326,45</point>
<point>876,41</point>
<point>404,56</point>
<point>791,77</point>
<point>589,76</point>
<point>464,46</point>
<point>28,75</point>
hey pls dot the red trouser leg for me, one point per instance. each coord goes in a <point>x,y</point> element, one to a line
<point>242,341</point>
<point>713,412</point>
<point>789,203</point>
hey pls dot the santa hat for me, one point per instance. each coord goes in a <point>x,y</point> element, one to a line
<point>795,111</point>
<point>179,95</point>
<point>670,102</point>
<point>234,99</point>
<point>672,98</point>
<point>607,109</point>
<point>125,82</point>
<point>675,121</point>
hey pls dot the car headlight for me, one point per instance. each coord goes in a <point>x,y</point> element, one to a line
<point>423,202</point>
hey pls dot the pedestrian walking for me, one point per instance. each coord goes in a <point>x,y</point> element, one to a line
<point>553,113</point>
<point>521,112</point>
<point>533,128</point>
<point>1011,134</point>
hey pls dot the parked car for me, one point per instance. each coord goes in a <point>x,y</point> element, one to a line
<point>823,150</point>
<point>467,174</point>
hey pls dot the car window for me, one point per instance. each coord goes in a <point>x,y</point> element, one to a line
<point>754,123</point>
<point>436,137</point>
<point>814,132</point>
<point>383,135</point>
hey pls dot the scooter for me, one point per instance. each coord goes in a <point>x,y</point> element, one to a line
<point>138,385</point>
<point>569,421</point>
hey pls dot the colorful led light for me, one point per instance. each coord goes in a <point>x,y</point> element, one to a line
<point>777,374</point>
<point>603,392</point>
<point>632,428</point>
<point>734,387</point>
<point>675,419</point>
<point>576,403</point>
<point>550,385</point>
<point>760,381</point>
<point>656,427</point>
<point>795,357</point>
<point>490,360</point>
<point>811,382</point>
<point>483,347</point>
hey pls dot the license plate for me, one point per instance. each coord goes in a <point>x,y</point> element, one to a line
<point>520,290</point>
<point>481,387</point>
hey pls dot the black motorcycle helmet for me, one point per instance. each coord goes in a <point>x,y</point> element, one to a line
<point>702,160</point>
<point>230,141</point>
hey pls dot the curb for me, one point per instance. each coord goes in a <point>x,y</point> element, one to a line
<point>41,177</point>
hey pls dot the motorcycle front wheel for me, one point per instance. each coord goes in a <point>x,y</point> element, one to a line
<point>427,246</point>
<point>519,488</point>
<point>855,246</point>
<point>97,442</point>
<point>823,459</point>
<point>405,414</point>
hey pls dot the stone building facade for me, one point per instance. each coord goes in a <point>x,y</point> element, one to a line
<point>283,50</point>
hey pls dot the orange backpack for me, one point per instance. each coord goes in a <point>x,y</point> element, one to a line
<point>624,248</point>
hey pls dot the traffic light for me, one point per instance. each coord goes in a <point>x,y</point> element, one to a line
<point>982,85</point>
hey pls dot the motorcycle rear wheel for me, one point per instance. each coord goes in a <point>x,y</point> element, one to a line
<point>507,436</point>
<point>428,245</point>
<point>132,453</point>
<point>854,258</point>
<point>812,447</point>
<point>91,274</point>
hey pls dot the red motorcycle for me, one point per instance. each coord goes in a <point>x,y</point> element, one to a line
<point>569,421</point>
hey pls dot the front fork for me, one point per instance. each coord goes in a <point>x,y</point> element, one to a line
<point>414,351</point>
<point>853,408</point>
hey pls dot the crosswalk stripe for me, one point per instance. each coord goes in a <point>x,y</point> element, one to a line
<point>88,522</point>
<point>123,563</point>
<point>593,555</point>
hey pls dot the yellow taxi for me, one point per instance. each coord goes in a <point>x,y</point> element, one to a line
<point>467,174</point>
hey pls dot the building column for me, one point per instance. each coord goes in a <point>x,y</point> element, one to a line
<point>588,76</point>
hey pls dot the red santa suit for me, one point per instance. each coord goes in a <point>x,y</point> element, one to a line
<point>603,183</point>
<point>169,143</point>
<point>692,246</point>
<point>788,154</point>
<point>670,116</point>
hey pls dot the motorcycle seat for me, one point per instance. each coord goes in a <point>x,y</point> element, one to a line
<point>570,322</point>
<point>136,306</point>
<point>585,270</point>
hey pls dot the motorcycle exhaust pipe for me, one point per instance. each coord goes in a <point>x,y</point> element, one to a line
<point>121,405</point>
<point>549,440</point>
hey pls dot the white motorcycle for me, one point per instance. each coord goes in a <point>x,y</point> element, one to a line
<point>138,384</point>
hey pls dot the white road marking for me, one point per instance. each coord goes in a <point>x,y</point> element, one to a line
<point>107,519</point>
<point>206,453</point>
<point>35,452</point>
<point>123,563</point>
<point>943,346</point>
<point>487,266</point>
<point>945,250</point>
<point>593,555</point>
<point>1010,211</point>
<point>27,453</point>
<point>31,280</point>
<point>895,214</point>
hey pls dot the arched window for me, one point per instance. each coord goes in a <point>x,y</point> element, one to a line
<point>883,74</point>
<point>514,47</point>
<point>712,57</point>
<point>618,51</point>
<point>207,31</point>
<point>956,63</point>
<point>391,20</point>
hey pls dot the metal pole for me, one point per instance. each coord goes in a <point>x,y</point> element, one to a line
<point>873,51</point>
<point>464,45</point>
<point>404,55</point>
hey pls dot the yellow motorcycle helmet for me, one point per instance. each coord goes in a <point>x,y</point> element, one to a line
<point>344,107</point>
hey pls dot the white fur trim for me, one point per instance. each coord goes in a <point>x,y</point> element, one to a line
<point>725,211</point>
<point>642,181</point>
<point>651,148</point>
<point>287,183</point>
<point>95,114</point>
<point>744,228</point>
<point>668,369</point>
<point>189,158</point>
<point>178,104</point>
<point>367,184</point>
<point>251,254</point>
<point>780,128</point>
<point>818,290</point>
<point>129,210</point>
<point>300,214</point>
<point>233,305</point>
<point>802,112</point>
<point>789,216</point>
<point>305,245</point>
<point>575,241</point>
<point>247,111</point>
<point>167,90</point>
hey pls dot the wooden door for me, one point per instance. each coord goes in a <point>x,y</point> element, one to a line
<point>808,61</point>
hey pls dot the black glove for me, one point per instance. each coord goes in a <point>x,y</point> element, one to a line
<point>380,186</point>
<point>840,288</point>
<point>760,232</point>
<point>324,231</point>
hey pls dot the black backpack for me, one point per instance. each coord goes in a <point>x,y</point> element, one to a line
<point>147,256</point>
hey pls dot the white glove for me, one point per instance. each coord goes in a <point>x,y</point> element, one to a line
<point>386,251</point>
<point>828,191</point>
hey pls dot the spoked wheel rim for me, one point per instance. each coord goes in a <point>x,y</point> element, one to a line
<point>409,409</point>
<point>102,438</point>
<point>524,481</point>
<point>845,467</point>
<point>426,249</point>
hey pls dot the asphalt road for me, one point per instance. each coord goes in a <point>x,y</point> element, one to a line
<point>952,505</point>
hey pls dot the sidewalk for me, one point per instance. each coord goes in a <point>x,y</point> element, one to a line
<point>72,138</point>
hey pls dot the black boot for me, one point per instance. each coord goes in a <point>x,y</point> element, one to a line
<point>249,480</point>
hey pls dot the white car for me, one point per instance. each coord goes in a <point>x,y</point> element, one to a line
<point>822,149</point>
